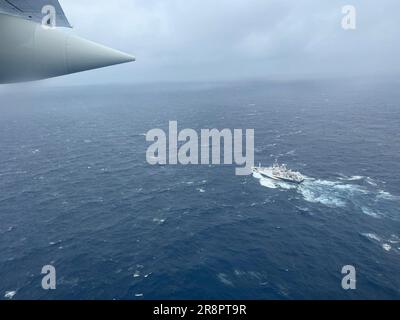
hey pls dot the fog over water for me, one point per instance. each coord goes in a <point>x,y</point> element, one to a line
<point>229,40</point>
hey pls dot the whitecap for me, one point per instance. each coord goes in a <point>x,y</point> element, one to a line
<point>224,279</point>
<point>387,247</point>
<point>159,221</point>
<point>394,239</point>
<point>136,274</point>
<point>239,273</point>
<point>370,212</point>
<point>10,294</point>
<point>291,152</point>
<point>371,236</point>
<point>386,195</point>
<point>371,182</point>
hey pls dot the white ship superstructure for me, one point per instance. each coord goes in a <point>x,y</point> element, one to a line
<point>280,173</point>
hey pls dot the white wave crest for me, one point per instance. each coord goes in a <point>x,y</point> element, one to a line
<point>10,294</point>
<point>372,236</point>
<point>387,196</point>
<point>371,213</point>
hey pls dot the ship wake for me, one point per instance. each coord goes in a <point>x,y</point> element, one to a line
<point>360,193</point>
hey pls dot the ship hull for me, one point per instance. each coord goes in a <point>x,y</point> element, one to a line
<point>268,174</point>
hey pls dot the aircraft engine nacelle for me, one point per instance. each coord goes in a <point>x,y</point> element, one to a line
<point>31,51</point>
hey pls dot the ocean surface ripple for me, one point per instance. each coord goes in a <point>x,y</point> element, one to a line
<point>77,193</point>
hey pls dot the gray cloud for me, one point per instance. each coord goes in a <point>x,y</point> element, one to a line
<point>181,40</point>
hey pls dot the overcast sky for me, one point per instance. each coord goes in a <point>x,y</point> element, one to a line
<point>181,40</point>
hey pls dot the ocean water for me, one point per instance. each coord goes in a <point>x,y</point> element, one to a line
<point>76,192</point>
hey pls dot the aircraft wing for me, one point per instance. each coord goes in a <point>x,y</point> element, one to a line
<point>32,10</point>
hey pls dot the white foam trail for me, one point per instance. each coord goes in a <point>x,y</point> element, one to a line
<point>315,191</point>
<point>268,183</point>
<point>329,193</point>
<point>333,193</point>
<point>352,178</point>
<point>351,188</point>
<point>368,180</point>
<point>257,175</point>
<point>286,185</point>
<point>325,199</point>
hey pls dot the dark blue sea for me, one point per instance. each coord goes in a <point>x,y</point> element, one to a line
<point>76,192</point>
